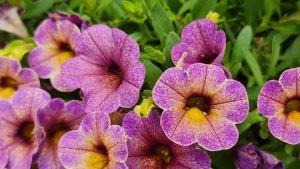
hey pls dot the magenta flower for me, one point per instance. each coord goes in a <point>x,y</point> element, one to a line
<point>107,69</point>
<point>202,43</point>
<point>3,156</point>
<point>19,131</point>
<point>249,157</point>
<point>56,39</point>
<point>201,105</point>
<point>13,77</point>
<point>149,147</point>
<point>57,118</point>
<point>96,144</point>
<point>280,102</point>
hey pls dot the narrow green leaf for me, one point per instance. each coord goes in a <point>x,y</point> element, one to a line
<point>172,39</point>
<point>152,73</point>
<point>155,54</point>
<point>242,43</point>
<point>37,8</point>
<point>201,7</point>
<point>160,21</point>
<point>254,66</point>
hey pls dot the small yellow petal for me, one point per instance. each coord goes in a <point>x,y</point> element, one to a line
<point>214,16</point>
<point>145,107</point>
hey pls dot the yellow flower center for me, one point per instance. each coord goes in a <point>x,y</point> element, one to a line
<point>97,159</point>
<point>292,105</point>
<point>56,132</point>
<point>196,115</point>
<point>8,86</point>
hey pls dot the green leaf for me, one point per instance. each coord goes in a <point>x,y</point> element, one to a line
<point>242,43</point>
<point>152,73</point>
<point>128,6</point>
<point>201,7</point>
<point>89,4</point>
<point>155,54</point>
<point>252,118</point>
<point>37,8</point>
<point>263,133</point>
<point>254,66</point>
<point>160,21</point>
<point>288,149</point>
<point>172,39</point>
<point>276,42</point>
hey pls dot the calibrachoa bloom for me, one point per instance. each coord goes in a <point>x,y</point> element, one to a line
<point>107,69</point>
<point>249,157</point>
<point>56,39</point>
<point>280,102</point>
<point>3,156</point>
<point>57,118</point>
<point>96,144</point>
<point>202,43</point>
<point>13,77</point>
<point>18,128</point>
<point>201,105</point>
<point>149,147</point>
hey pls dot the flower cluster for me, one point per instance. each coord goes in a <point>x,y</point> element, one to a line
<point>200,103</point>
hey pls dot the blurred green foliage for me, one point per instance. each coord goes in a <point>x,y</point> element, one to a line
<point>263,39</point>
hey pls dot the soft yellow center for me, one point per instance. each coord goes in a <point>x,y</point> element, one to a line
<point>196,115</point>
<point>96,160</point>
<point>64,56</point>
<point>8,86</point>
<point>6,93</point>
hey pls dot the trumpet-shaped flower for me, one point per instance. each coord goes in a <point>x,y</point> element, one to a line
<point>11,22</point>
<point>280,102</point>
<point>149,147</point>
<point>107,69</point>
<point>201,105</point>
<point>57,118</point>
<point>13,78</point>
<point>202,42</point>
<point>19,130</point>
<point>249,157</point>
<point>96,144</point>
<point>56,39</point>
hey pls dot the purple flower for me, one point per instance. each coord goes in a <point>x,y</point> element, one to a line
<point>56,39</point>
<point>77,20</point>
<point>201,105</point>
<point>280,102</point>
<point>3,156</point>
<point>202,43</point>
<point>149,147</point>
<point>107,69</point>
<point>57,118</point>
<point>19,131</point>
<point>13,77</point>
<point>96,144</point>
<point>249,157</point>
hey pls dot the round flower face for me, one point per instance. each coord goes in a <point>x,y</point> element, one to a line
<point>56,40</point>
<point>149,147</point>
<point>202,43</point>
<point>280,102</point>
<point>96,144</point>
<point>201,105</point>
<point>19,131</point>
<point>107,69</point>
<point>12,77</point>
<point>57,118</point>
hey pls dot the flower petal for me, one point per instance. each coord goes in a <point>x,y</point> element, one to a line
<point>9,67</point>
<point>27,101</point>
<point>231,101</point>
<point>286,127</point>
<point>289,82</point>
<point>95,125</point>
<point>170,91</point>
<point>28,78</point>
<point>271,99</point>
